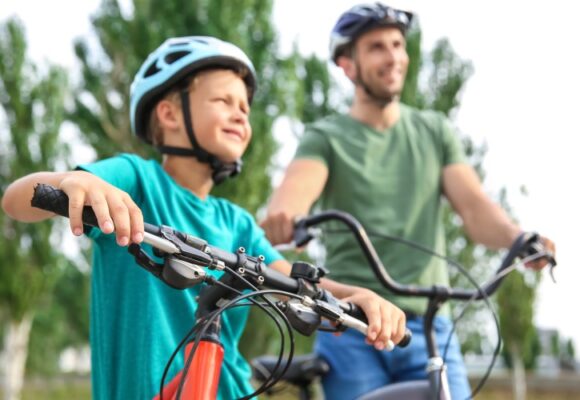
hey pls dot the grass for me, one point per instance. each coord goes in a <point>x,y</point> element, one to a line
<point>57,389</point>
<point>80,389</point>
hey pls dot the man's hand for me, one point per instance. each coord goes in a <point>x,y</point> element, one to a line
<point>114,209</point>
<point>279,227</point>
<point>386,321</point>
<point>541,262</point>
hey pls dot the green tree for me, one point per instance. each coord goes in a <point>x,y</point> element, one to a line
<point>32,111</point>
<point>62,321</point>
<point>567,358</point>
<point>516,311</point>
<point>555,344</point>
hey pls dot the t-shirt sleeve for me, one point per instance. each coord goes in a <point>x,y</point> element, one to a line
<point>453,151</point>
<point>119,171</point>
<point>314,146</point>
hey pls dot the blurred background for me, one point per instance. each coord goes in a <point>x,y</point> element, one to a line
<point>505,73</point>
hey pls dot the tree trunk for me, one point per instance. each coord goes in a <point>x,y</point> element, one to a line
<point>518,373</point>
<point>14,356</point>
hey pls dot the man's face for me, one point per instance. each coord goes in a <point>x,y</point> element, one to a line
<point>380,61</point>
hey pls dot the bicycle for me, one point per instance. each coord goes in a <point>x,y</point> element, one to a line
<point>185,261</point>
<point>306,369</point>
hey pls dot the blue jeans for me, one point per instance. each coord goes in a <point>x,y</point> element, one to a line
<point>357,368</point>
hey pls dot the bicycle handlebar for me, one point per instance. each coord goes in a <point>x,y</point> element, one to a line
<point>198,252</point>
<point>525,243</point>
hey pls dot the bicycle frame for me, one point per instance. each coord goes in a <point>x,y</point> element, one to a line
<point>202,376</point>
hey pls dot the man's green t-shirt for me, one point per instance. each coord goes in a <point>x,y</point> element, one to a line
<point>136,320</point>
<point>391,182</point>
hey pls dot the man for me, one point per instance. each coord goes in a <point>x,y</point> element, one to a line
<point>388,165</point>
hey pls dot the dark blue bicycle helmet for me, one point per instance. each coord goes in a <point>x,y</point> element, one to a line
<point>167,66</point>
<point>362,18</point>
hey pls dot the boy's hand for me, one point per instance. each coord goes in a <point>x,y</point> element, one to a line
<point>386,321</point>
<point>114,209</point>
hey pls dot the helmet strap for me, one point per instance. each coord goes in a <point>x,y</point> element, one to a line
<point>220,170</point>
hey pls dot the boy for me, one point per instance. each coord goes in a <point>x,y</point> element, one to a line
<point>191,99</point>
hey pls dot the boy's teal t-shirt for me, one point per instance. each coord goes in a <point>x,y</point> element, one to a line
<point>136,320</point>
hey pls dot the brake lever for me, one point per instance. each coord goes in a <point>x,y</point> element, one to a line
<point>552,262</point>
<point>536,247</point>
<point>302,233</point>
<point>552,266</point>
<point>185,251</point>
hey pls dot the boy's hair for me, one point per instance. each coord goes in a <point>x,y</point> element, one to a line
<point>154,132</point>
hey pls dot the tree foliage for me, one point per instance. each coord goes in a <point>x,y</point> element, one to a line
<point>61,321</point>
<point>33,111</point>
<point>516,317</point>
<point>31,114</point>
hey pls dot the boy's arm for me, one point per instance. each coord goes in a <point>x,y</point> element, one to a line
<point>115,210</point>
<point>386,321</point>
<point>17,197</point>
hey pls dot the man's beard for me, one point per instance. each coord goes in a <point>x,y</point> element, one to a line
<point>376,94</point>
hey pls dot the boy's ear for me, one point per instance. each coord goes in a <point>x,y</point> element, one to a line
<point>168,114</point>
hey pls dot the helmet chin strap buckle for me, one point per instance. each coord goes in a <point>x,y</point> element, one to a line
<point>222,171</point>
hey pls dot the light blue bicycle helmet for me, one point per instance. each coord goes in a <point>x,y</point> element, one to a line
<point>362,18</point>
<point>167,66</point>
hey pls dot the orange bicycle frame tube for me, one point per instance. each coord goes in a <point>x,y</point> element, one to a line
<point>201,382</point>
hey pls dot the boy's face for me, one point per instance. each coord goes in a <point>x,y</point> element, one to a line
<point>220,114</point>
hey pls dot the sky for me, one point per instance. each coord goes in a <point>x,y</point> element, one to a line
<point>521,101</point>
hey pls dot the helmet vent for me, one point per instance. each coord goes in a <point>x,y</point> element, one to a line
<point>152,70</point>
<point>172,57</point>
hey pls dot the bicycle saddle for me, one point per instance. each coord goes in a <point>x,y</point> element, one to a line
<point>302,370</point>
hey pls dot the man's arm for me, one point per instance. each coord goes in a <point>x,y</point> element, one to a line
<point>302,185</point>
<point>484,221</point>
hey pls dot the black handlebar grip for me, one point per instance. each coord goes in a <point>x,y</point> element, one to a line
<point>49,198</point>
<point>356,312</point>
<point>301,235</point>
